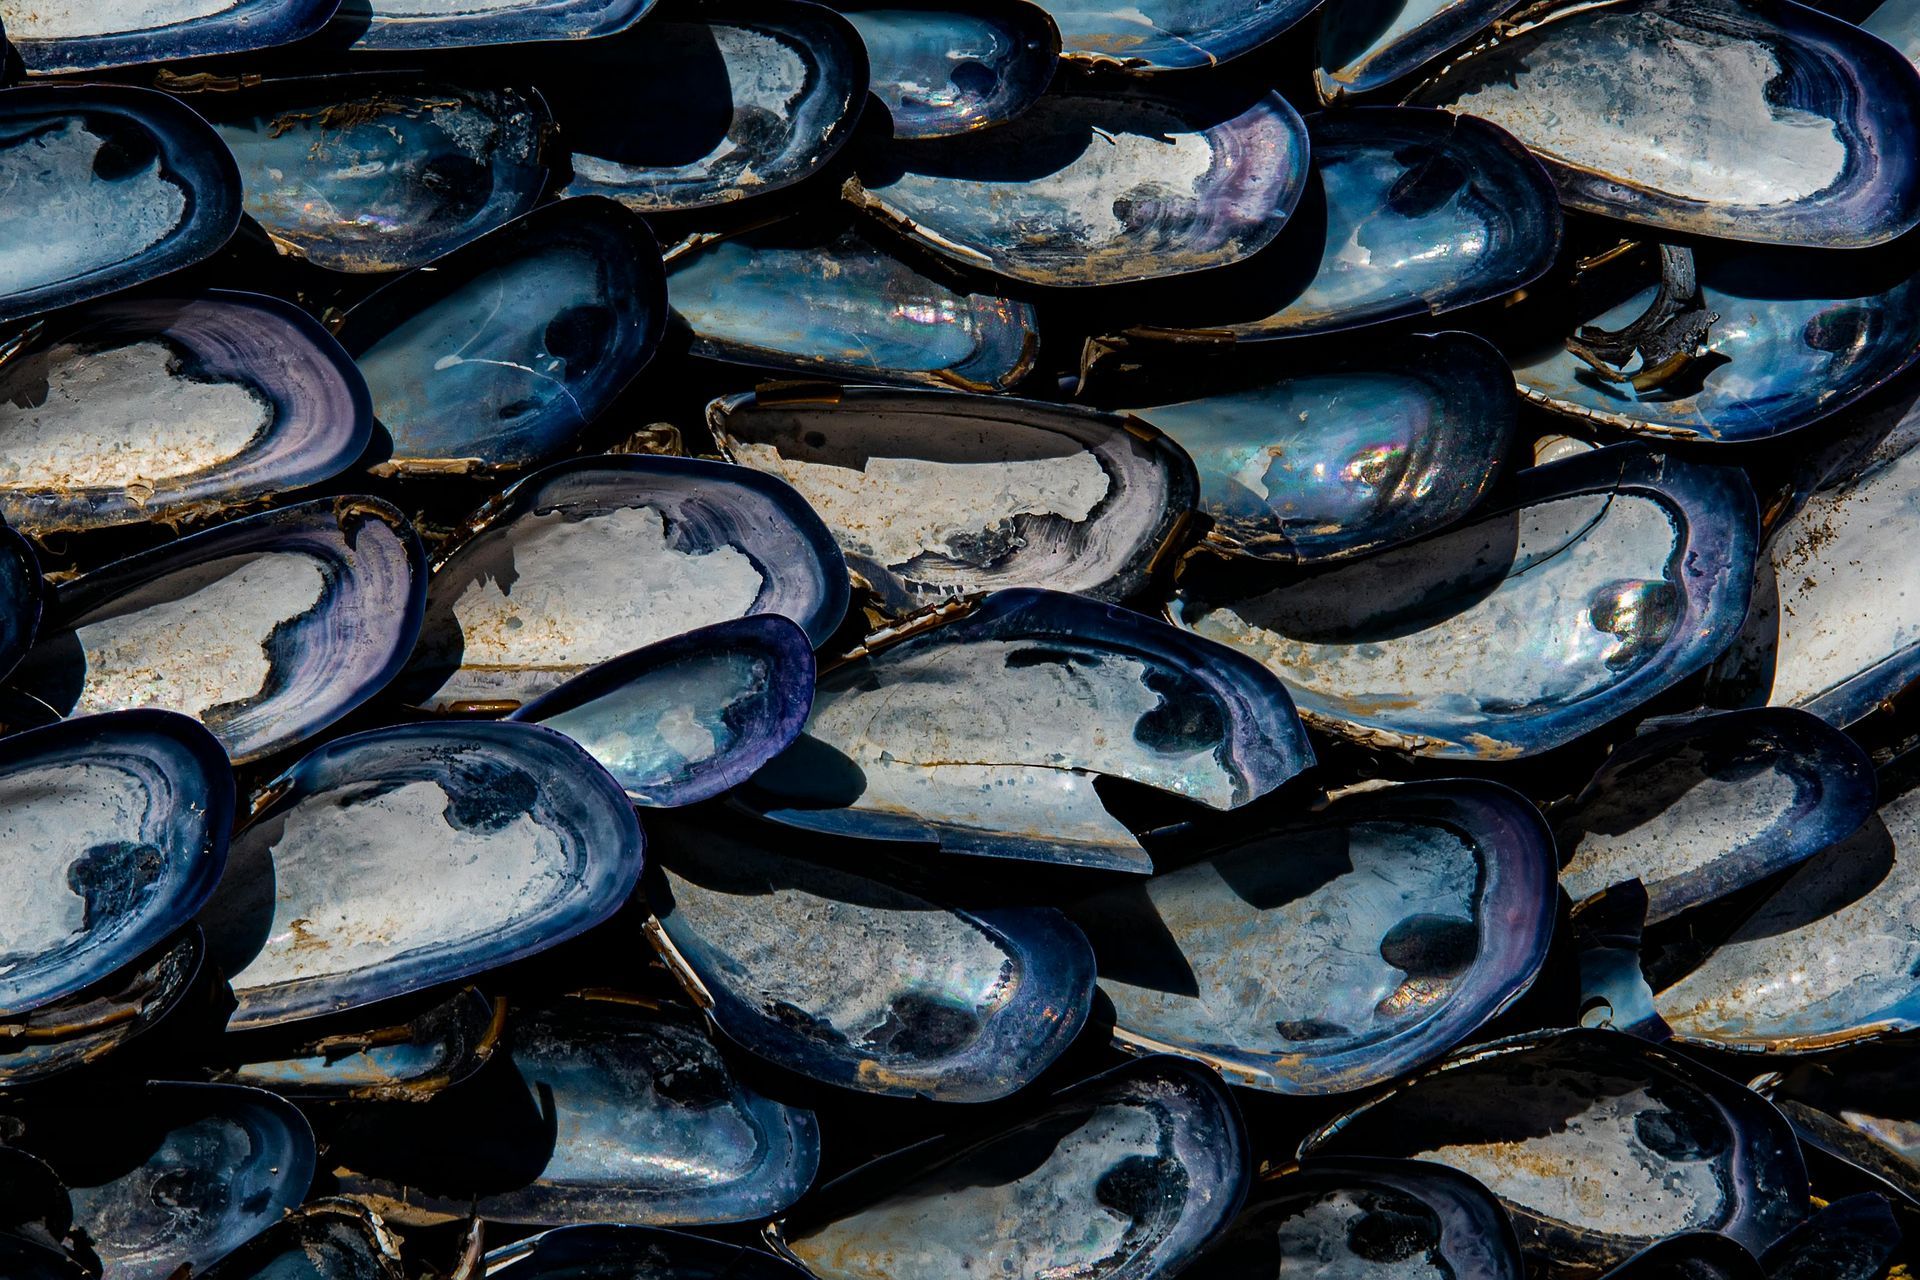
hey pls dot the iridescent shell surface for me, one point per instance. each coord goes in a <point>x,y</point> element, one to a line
<point>454,24</point>
<point>1169,35</point>
<point>943,68</point>
<point>1366,46</point>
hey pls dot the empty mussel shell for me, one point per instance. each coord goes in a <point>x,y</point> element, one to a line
<point>102,1018</point>
<point>167,409</point>
<point>328,1239</point>
<point>114,832</point>
<point>455,24</point>
<point>525,840</point>
<point>944,67</point>
<point>1126,1176</point>
<point>1099,188</point>
<point>1691,1255</point>
<point>1797,128</point>
<point>686,718</point>
<point>107,187</point>
<point>850,980</point>
<point>1363,47</point>
<point>267,629</point>
<point>606,1249</point>
<point>1168,35</point>
<point>589,558</point>
<point>441,1046</point>
<point>1597,1142</point>
<point>1850,1239</point>
<point>1696,807</point>
<point>499,354</point>
<point>88,35</point>
<point>376,172</point>
<point>1607,579</point>
<point>985,734</point>
<point>933,495</point>
<point>1338,951</point>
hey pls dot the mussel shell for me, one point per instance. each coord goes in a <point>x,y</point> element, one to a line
<point>1607,579</point>
<point>21,590</point>
<point>1047,691</point>
<point>934,495</point>
<point>267,628</point>
<point>1547,1119</point>
<point>1125,1176</point>
<point>1697,807</point>
<point>1797,128</point>
<point>1169,35</point>
<point>162,409</point>
<point>499,354</point>
<point>944,67</point>
<point>1691,1255</point>
<point>1366,46</point>
<point>24,1259</point>
<point>1100,188</point>
<point>107,187</point>
<point>1857,1107</point>
<point>590,558</point>
<point>416,1059</point>
<point>1338,951</point>
<point>1850,1239</point>
<point>686,718</point>
<point>376,172</point>
<point>457,24</point>
<point>603,1250</point>
<point>853,981</point>
<point>784,298</point>
<point>330,1239</point>
<point>1898,23</point>
<point>98,1021</point>
<point>92,34</point>
<point>748,99</point>
<point>523,838</point>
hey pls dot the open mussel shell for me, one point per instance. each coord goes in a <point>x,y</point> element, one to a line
<point>1547,1121</point>
<point>268,629</point>
<point>1691,1255</point>
<point>697,112</point>
<point>455,24</point>
<point>855,982</point>
<point>329,1239</point>
<point>1099,188</point>
<point>1850,1239</point>
<point>602,1250</point>
<point>1696,807</point>
<point>523,838</point>
<point>945,67</point>
<point>1341,950</point>
<point>88,35</point>
<point>590,558</point>
<point>600,1111</point>
<point>933,495</point>
<point>1353,455</point>
<point>985,734</point>
<point>164,409</point>
<point>788,298</point>
<point>1797,131</point>
<point>379,172</point>
<point>440,1046</point>
<point>114,829</point>
<point>107,187</point>
<point>1367,1219</point>
<point>1607,579</point>
<point>1168,35</point>
<point>499,354</point>
<point>1366,46</point>
<point>689,717</point>
<point>101,1019</point>
<point>1127,1176</point>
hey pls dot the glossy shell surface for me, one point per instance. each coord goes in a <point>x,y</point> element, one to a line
<point>945,68</point>
<point>59,36</point>
<point>454,24</point>
<point>1169,35</point>
<point>412,1060</point>
<point>1364,47</point>
<point>99,1021</point>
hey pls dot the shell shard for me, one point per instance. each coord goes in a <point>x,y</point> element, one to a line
<point>457,24</point>
<point>90,35</point>
<point>946,68</point>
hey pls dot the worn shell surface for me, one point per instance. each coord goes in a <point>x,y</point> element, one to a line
<point>1797,127</point>
<point>1697,807</point>
<point>1100,188</point>
<point>793,300</point>
<point>985,735</point>
<point>59,36</point>
<point>604,1249</point>
<point>455,24</point>
<point>1545,1120</point>
<point>375,172</point>
<point>587,559</point>
<point>1363,47</point>
<point>267,629</point>
<point>852,981</point>
<point>601,1112</point>
<point>684,115</point>
<point>1353,456</point>
<point>107,187</point>
<point>1169,35</point>
<point>441,1046</point>
<point>689,717</point>
<point>1611,576</point>
<point>943,68</point>
<point>499,354</point>
<point>524,839</point>
<point>163,408</point>
<point>933,495</point>
<point>104,1017</point>
<point>327,1239</point>
<point>113,832</point>
<point>1125,1176</point>
<point>1338,951</point>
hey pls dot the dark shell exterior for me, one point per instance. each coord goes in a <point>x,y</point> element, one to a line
<point>589,558</point>
<point>524,838</point>
<point>934,495</point>
<point>943,68</point>
<point>1797,129</point>
<point>440,1047</point>
<point>899,995</point>
<point>23,1259</point>
<point>1169,35</point>
<point>21,589</point>
<point>162,409</point>
<point>1850,1239</point>
<point>1898,23</point>
<point>88,35</point>
<point>107,187</point>
<point>1691,1255</point>
<point>1055,690</point>
<point>1857,1106</point>
<point>602,1250</point>
<point>100,1020</point>
<point>1363,47</point>
<point>500,354</point>
<point>268,629</point>
<point>689,717</point>
<point>1607,579</point>
<point>329,1239</point>
<point>456,24</point>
